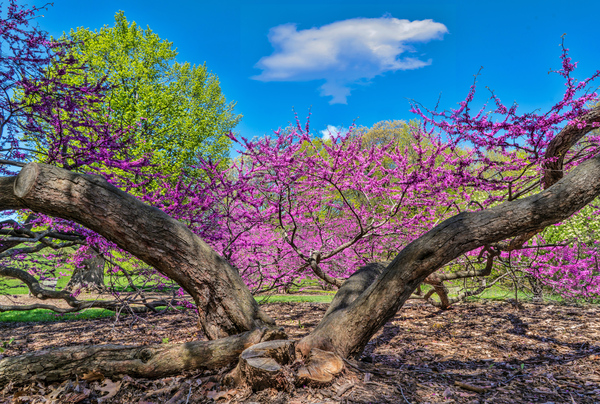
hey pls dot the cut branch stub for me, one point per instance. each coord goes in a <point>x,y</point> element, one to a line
<point>262,365</point>
<point>320,367</point>
<point>267,364</point>
<point>26,180</point>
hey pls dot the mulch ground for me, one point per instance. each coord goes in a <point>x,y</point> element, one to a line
<point>490,352</point>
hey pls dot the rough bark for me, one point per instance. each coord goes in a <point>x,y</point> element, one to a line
<point>360,280</point>
<point>560,145</point>
<point>355,285</point>
<point>8,200</point>
<point>347,330</point>
<point>91,276</point>
<point>142,361</point>
<point>225,304</point>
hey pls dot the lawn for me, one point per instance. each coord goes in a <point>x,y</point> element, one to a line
<point>42,315</point>
<point>307,292</point>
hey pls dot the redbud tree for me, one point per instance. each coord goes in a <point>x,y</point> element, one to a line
<point>44,117</point>
<point>294,206</point>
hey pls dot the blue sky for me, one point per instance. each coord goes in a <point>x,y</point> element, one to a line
<point>360,61</point>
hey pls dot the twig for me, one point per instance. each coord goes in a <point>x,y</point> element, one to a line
<point>343,389</point>
<point>189,395</point>
<point>362,370</point>
<point>402,392</point>
<point>471,387</point>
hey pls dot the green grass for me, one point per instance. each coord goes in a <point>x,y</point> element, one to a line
<point>43,315</point>
<point>294,298</point>
<point>16,287</point>
<point>499,293</point>
<point>495,293</point>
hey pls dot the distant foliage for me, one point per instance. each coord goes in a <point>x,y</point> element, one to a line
<point>292,206</point>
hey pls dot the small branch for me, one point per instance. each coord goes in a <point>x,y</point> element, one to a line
<point>315,258</point>
<point>76,305</point>
<point>13,163</point>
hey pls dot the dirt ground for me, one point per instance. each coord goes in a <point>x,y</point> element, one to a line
<point>489,352</point>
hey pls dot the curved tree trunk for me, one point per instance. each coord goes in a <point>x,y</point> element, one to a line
<point>348,330</point>
<point>225,304</point>
<point>151,361</point>
<point>166,244</point>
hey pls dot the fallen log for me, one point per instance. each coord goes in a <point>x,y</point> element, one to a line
<point>152,361</point>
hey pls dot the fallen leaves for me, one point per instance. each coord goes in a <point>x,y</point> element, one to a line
<point>422,356</point>
<point>109,387</point>
<point>93,376</point>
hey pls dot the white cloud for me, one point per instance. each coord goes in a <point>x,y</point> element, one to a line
<point>332,131</point>
<point>345,52</point>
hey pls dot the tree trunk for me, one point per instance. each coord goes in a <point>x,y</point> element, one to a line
<point>225,304</point>
<point>348,330</point>
<point>170,247</point>
<point>91,276</point>
<point>151,361</point>
<point>355,285</point>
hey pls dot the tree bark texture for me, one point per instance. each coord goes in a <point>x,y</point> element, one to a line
<point>562,143</point>
<point>225,304</point>
<point>91,276</point>
<point>151,361</point>
<point>348,330</point>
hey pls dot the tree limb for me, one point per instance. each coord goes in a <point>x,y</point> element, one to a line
<point>150,361</point>
<point>445,242</point>
<point>225,304</point>
<point>560,145</point>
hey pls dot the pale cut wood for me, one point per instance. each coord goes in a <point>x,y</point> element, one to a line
<point>270,365</point>
<point>320,367</point>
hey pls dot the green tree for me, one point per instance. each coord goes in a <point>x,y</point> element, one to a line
<point>179,108</point>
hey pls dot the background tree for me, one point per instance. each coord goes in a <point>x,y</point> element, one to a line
<point>384,132</point>
<point>47,116</point>
<point>179,108</point>
<point>168,112</point>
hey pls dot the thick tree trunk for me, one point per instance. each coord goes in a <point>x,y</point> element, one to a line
<point>170,247</point>
<point>142,361</point>
<point>91,276</point>
<point>225,304</point>
<point>347,330</point>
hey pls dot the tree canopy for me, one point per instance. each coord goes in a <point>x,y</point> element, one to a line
<point>178,109</point>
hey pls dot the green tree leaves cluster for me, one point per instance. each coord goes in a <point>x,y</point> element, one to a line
<point>384,132</point>
<point>177,109</point>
